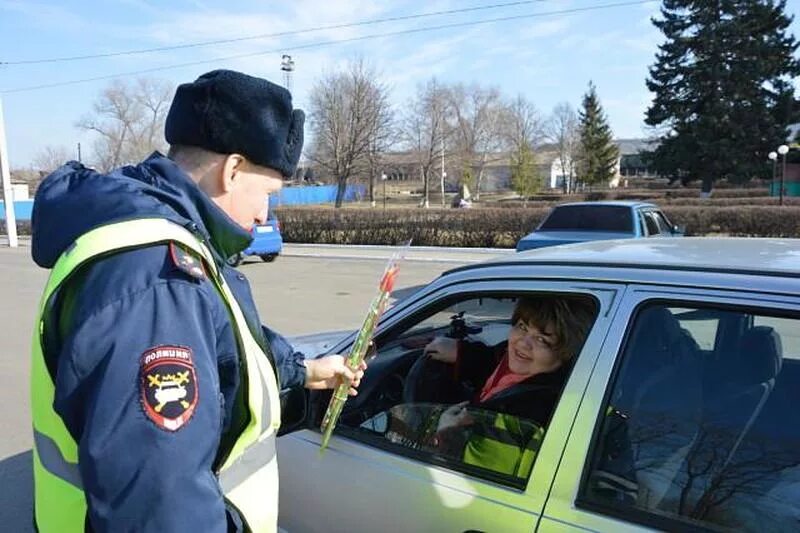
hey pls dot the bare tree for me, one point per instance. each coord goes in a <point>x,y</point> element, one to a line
<point>425,130</point>
<point>45,161</point>
<point>153,97</point>
<point>477,114</point>
<point>351,120</point>
<point>521,126</point>
<point>522,129</point>
<point>50,158</point>
<point>375,158</point>
<point>563,131</point>
<point>128,120</point>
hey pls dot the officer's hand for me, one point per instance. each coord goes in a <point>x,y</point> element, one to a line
<point>326,373</point>
<point>442,349</point>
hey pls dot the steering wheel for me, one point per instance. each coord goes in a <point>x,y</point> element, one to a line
<point>429,380</point>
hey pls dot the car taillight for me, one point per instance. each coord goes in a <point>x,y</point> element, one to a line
<point>277,225</point>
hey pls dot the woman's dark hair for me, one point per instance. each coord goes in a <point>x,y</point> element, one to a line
<point>570,317</point>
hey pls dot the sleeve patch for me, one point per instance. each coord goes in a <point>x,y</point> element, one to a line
<point>168,383</point>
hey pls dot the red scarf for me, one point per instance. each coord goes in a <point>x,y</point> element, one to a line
<point>501,379</point>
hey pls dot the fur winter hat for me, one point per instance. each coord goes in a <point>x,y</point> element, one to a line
<point>229,112</point>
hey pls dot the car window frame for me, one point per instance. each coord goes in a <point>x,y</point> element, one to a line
<point>462,468</point>
<point>412,320</point>
<point>564,500</point>
<point>662,220</point>
<point>649,216</point>
<point>643,231</point>
<point>533,494</point>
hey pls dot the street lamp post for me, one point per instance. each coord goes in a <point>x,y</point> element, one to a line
<point>444,175</point>
<point>383,179</point>
<point>783,150</point>
<point>287,66</point>
<point>773,156</point>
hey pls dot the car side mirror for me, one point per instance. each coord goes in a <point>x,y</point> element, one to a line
<point>678,230</point>
<point>294,409</point>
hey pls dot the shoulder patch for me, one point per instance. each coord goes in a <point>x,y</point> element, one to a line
<point>168,385</point>
<point>187,261</point>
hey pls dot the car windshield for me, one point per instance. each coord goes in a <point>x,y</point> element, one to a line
<point>589,218</point>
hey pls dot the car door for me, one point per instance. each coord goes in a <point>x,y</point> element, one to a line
<point>689,420</point>
<point>363,483</point>
<point>665,227</point>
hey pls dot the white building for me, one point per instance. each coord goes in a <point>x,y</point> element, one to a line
<point>20,191</point>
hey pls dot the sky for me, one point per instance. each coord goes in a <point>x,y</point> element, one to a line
<point>547,51</point>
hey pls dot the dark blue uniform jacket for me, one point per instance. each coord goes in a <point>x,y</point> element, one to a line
<point>138,475</point>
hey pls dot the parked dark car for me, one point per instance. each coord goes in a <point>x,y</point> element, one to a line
<point>599,221</point>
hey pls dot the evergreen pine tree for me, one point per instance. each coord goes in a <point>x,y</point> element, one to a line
<point>599,155</point>
<point>722,86</point>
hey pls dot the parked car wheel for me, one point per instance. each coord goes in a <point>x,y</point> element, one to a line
<point>268,258</point>
<point>236,259</point>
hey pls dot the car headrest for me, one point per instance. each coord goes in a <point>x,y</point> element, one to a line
<point>760,356</point>
<point>657,333</point>
<point>660,354</point>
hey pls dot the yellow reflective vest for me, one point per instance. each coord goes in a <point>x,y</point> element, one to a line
<point>505,444</point>
<point>249,475</point>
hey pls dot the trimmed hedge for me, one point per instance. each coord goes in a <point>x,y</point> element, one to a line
<point>705,202</point>
<point>745,196</point>
<point>23,227</point>
<point>471,228</point>
<point>728,202</point>
<point>502,228</point>
<point>746,221</point>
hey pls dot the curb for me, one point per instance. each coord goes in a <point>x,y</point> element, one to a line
<point>446,249</point>
<point>380,258</point>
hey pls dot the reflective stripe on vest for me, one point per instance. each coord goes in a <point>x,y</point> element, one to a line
<point>249,475</point>
<point>505,444</point>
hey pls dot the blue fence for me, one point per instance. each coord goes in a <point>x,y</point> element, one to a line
<point>22,209</point>
<point>288,196</point>
<point>323,194</point>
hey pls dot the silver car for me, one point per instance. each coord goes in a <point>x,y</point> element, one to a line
<point>695,350</point>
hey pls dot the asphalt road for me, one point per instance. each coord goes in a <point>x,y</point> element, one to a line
<point>310,289</point>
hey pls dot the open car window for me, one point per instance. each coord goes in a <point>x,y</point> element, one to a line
<point>407,403</point>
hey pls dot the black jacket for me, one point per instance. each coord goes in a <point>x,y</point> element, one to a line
<point>534,399</point>
<point>613,475</point>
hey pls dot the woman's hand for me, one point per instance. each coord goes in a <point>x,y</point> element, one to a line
<point>326,373</point>
<point>442,349</point>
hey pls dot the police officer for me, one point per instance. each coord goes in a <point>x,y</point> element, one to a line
<point>154,386</point>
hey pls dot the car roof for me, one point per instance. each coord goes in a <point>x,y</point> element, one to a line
<point>777,257</point>
<point>617,203</point>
